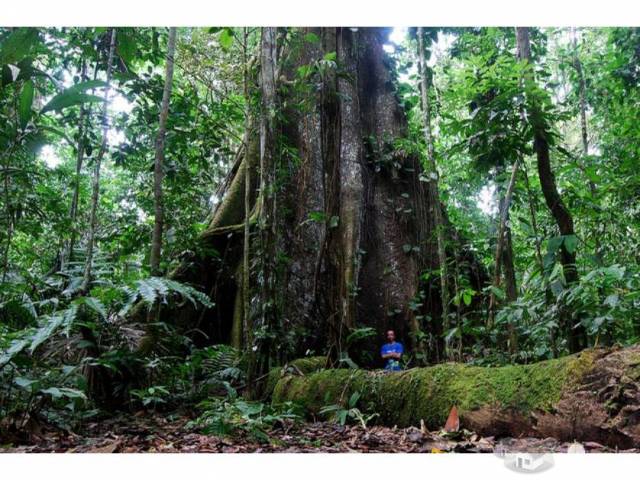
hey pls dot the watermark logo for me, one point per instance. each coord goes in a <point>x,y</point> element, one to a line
<point>524,462</point>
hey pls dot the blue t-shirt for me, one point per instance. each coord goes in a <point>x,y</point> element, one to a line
<point>392,363</point>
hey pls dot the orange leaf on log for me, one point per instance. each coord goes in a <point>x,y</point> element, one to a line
<point>453,422</point>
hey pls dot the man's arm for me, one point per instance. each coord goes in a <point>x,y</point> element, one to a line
<point>385,355</point>
<point>391,355</point>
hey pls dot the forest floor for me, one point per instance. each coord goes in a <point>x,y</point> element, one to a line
<point>169,433</point>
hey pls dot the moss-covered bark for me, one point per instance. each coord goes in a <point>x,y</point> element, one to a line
<point>405,398</point>
<point>589,396</point>
<point>301,366</point>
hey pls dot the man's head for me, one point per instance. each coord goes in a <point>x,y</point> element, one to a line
<point>391,336</point>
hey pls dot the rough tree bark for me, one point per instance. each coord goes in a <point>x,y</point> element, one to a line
<point>95,195</point>
<point>259,347</point>
<point>354,228</point>
<point>575,332</point>
<point>158,169</point>
<point>237,332</point>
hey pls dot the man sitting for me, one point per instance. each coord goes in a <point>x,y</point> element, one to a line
<point>392,352</point>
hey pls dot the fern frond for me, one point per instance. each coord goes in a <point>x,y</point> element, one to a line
<point>160,285</point>
<point>46,331</point>
<point>147,291</point>
<point>69,316</point>
<point>95,305</point>
<point>131,296</point>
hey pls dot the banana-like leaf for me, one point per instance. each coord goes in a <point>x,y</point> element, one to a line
<point>75,95</point>
<point>26,100</point>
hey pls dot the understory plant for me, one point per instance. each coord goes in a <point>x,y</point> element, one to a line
<point>230,415</point>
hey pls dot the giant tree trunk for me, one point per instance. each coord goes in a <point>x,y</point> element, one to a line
<point>591,396</point>
<point>354,232</point>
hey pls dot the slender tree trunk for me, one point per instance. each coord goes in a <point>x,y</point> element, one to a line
<point>459,346</point>
<point>501,244</point>
<point>98,377</point>
<point>433,188</point>
<point>242,310</point>
<point>67,252</point>
<point>509,270</point>
<point>504,258</point>
<point>593,189</point>
<point>7,247</point>
<point>538,250</point>
<point>534,219</point>
<point>246,267</point>
<point>259,349</point>
<point>9,214</point>
<point>562,216</point>
<point>158,168</point>
<point>95,195</point>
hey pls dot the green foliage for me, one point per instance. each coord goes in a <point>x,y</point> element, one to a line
<point>231,415</point>
<point>360,334</point>
<point>149,290</point>
<point>225,37</point>
<point>45,322</point>
<point>151,396</point>
<point>605,301</point>
<point>52,393</point>
<point>205,372</point>
<point>154,290</point>
<point>25,102</point>
<point>350,411</point>
<point>484,100</point>
<point>39,348</point>
<point>75,95</point>
<point>17,44</point>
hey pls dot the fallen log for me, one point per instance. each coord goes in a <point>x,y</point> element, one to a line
<point>590,396</point>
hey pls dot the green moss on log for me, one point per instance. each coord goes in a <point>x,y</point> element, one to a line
<point>302,366</point>
<point>404,398</point>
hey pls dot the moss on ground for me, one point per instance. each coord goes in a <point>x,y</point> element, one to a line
<point>404,398</point>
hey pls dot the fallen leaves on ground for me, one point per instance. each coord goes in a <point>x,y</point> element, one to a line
<point>156,433</point>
